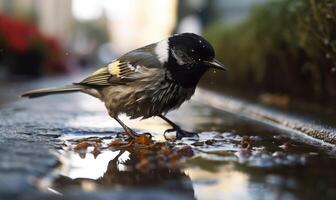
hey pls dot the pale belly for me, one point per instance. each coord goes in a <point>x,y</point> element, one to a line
<point>144,100</point>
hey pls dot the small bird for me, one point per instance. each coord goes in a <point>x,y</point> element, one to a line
<point>148,81</point>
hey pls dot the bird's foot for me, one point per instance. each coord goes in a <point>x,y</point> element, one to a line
<point>133,136</point>
<point>129,134</point>
<point>180,133</point>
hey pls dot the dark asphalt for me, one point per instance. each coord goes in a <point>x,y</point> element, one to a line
<point>30,130</point>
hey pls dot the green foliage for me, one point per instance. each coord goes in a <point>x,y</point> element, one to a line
<point>317,29</point>
<point>285,46</point>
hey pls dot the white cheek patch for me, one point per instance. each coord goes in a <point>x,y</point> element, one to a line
<point>162,51</point>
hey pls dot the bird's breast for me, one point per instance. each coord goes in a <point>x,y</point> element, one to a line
<point>148,98</point>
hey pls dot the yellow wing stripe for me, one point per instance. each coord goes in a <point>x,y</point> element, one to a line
<point>99,77</point>
<point>99,71</point>
<point>114,68</point>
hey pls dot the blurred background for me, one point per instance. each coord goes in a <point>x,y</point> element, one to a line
<point>280,52</point>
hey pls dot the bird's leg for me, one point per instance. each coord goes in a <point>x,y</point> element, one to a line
<point>128,130</point>
<point>180,133</point>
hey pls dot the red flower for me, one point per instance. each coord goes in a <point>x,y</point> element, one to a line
<point>23,38</point>
<point>17,34</point>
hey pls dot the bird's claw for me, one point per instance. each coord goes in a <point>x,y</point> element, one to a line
<point>128,135</point>
<point>180,133</point>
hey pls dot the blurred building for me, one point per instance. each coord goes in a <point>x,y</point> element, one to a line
<point>130,23</point>
<point>55,18</point>
<point>136,23</point>
<point>144,21</point>
<point>194,15</point>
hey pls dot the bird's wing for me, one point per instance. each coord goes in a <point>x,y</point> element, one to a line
<point>127,68</point>
<point>144,56</point>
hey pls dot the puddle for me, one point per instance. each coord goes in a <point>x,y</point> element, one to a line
<point>233,159</point>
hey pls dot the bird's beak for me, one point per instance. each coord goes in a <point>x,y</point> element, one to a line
<point>216,64</point>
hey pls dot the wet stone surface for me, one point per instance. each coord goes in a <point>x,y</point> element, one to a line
<point>67,147</point>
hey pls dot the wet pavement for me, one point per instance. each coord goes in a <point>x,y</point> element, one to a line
<point>234,158</point>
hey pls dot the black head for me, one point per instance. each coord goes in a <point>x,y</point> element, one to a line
<point>190,56</point>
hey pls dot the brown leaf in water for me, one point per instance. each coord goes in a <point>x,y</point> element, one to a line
<point>145,153</point>
<point>144,139</point>
<point>152,155</point>
<point>210,142</point>
<point>164,150</point>
<point>117,143</point>
<point>185,151</point>
<point>246,142</point>
<point>96,151</point>
<point>143,165</point>
<point>81,147</point>
<point>198,143</point>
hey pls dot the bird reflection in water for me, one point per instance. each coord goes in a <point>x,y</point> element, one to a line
<point>132,172</point>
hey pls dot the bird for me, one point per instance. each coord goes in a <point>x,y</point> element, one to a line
<point>149,81</point>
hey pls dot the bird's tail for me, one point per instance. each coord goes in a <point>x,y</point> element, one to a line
<point>54,90</point>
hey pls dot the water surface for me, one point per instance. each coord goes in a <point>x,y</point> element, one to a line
<point>234,158</point>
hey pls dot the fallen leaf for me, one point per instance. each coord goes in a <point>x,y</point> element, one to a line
<point>144,139</point>
<point>246,143</point>
<point>82,147</point>
<point>143,165</point>
<point>96,151</point>
<point>117,143</point>
<point>198,143</point>
<point>210,142</point>
<point>185,151</point>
